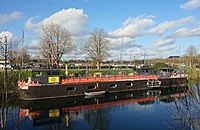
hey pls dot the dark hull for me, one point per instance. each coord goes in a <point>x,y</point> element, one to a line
<point>41,111</point>
<point>173,82</point>
<point>78,89</point>
<point>70,102</point>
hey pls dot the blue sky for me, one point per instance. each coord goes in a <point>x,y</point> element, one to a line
<point>155,28</point>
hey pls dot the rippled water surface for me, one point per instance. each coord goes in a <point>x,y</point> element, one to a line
<point>138,110</point>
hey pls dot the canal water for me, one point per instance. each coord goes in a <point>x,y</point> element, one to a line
<point>160,109</point>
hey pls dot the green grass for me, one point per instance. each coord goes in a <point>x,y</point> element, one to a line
<point>13,77</point>
<point>193,75</point>
<point>19,74</point>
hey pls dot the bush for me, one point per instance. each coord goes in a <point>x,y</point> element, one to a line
<point>13,77</point>
<point>161,65</point>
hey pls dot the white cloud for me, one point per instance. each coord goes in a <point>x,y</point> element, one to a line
<point>145,51</point>
<point>168,48</point>
<point>133,27</point>
<point>186,32</point>
<point>33,45</point>
<point>152,52</point>
<point>6,34</point>
<point>168,43</point>
<point>76,20</point>
<point>183,32</point>
<point>164,42</point>
<point>195,31</point>
<point>114,55</point>
<point>191,4</point>
<point>4,18</point>
<point>137,51</point>
<point>139,26</point>
<point>14,40</point>
<point>33,48</point>
<point>30,25</point>
<point>72,19</point>
<point>122,43</point>
<point>167,25</point>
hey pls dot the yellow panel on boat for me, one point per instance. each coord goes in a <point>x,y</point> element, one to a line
<point>54,113</point>
<point>54,79</point>
<point>66,69</point>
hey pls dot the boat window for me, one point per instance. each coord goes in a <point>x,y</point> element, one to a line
<point>71,89</point>
<point>129,85</point>
<point>40,74</point>
<point>113,86</point>
<point>91,87</point>
<point>55,73</point>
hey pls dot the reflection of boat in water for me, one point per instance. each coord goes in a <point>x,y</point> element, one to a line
<point>107,100</point>
<point>154,92</point>
<point>94,93</point>
<point>67,110</point>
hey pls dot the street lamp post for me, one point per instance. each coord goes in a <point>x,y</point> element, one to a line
<point>22,48</point>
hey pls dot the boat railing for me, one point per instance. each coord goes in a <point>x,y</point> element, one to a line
<point>112,78</point>
<point>179,75</point>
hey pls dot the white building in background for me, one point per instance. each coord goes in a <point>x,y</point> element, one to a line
<point>2,64</point>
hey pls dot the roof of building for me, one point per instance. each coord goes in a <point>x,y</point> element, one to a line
<point>174,57</point>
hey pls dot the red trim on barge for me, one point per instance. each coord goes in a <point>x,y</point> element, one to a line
<point>108,79</point>
<point>91,79</point>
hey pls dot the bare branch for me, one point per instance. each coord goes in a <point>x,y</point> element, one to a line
<point>96,47</point>
<point>54,42</point>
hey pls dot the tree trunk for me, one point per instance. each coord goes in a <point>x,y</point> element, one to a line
<point>98,64</point>
<point>57,64</point>
<point>191,64</point>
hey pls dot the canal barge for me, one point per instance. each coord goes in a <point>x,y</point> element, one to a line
<point>47,84</point>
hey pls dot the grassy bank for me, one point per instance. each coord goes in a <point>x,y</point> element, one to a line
<point>194,75</point>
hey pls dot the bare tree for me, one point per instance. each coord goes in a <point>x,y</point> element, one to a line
<point>191,52</point>
<point>15,56</point>
<point>96,47</point>
<point>54,42</point>
<point>5,46</point>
